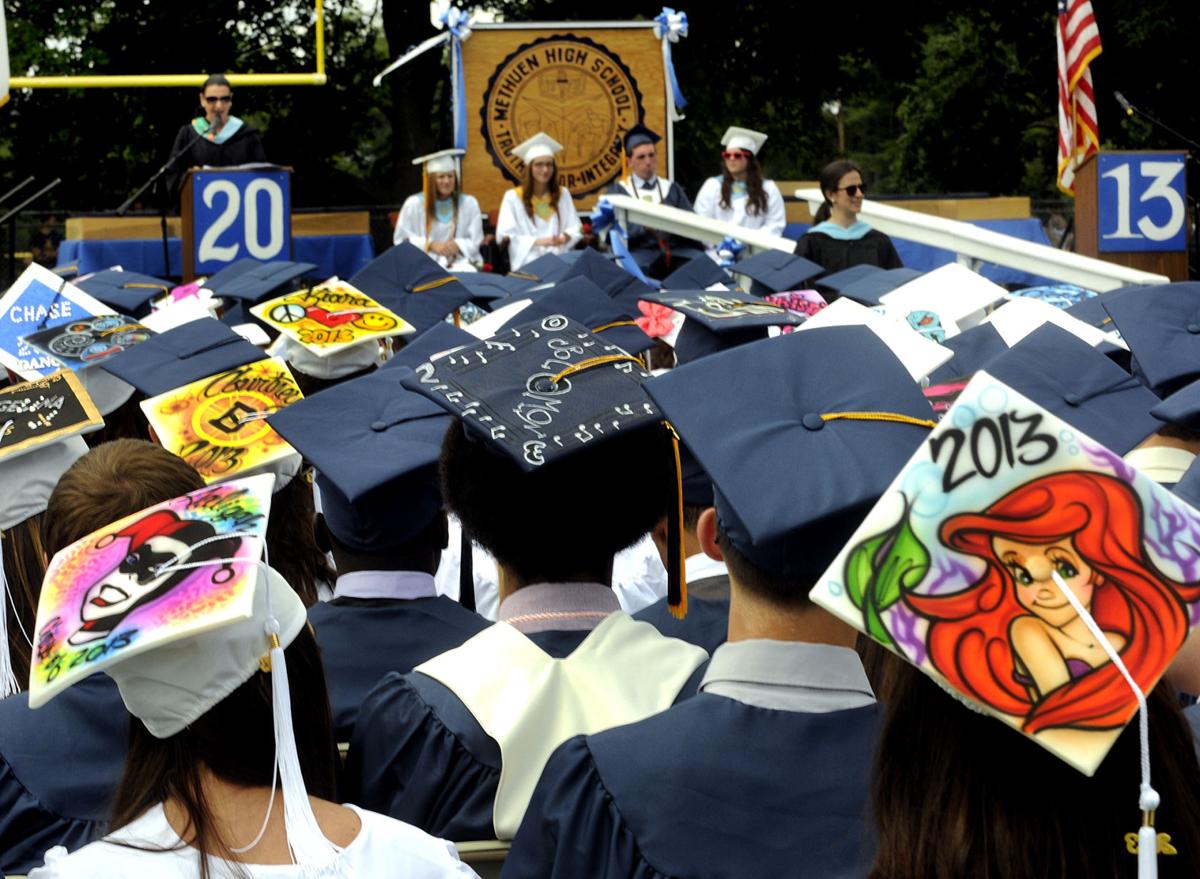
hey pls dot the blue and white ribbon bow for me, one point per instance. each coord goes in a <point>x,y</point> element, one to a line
<point>669,26</point>
<point>604,217</point>
<point>728,249</point>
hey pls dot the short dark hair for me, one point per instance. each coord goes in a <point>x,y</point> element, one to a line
<point>774,588</point>
<point>215,79</point>
<point>830,175</point>
<point>570,517</point>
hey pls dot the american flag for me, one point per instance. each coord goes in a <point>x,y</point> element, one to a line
<point>1078,43</point>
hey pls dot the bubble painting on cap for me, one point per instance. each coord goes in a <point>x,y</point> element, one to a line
<point>127,587</point>
<point>958,569</point>
<point>84,342</point>
<point>218,424</point>
<point>330,317</point>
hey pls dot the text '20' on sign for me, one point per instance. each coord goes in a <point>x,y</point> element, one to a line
<point>238,214</point>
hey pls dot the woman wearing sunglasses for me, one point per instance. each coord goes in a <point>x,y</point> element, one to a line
<point>216,138</point>
<point>838,239</point>
<point>739,194</point>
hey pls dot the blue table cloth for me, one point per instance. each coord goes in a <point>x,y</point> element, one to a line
<point>341,255</point>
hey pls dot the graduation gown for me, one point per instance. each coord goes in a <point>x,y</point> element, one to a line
<point>362,640</point>
<point>419,755</point>
<point>522,230</point>
<point>59,767</point>
<point>712,788</point>
<point>467,233</point>
<point>708,204</point>
<point>649,245</point>
<point>242,148</point>
<point>706,624</point>
<point>835,254</point>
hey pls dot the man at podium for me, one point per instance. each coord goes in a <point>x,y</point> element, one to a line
<point>218,138</point>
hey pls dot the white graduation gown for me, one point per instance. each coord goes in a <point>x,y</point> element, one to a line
<point>521,230</point>
<point>708,204</point>
<point>410,227</point>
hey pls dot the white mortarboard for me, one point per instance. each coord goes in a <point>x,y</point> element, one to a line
<point>441,161</point>
<point>919,354</point>
<point>736,138</point>
<point>340,364</point>
<point>951,292</point>
<point>540,146</point>
<point>1019,317</point>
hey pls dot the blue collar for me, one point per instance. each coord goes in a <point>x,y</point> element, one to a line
<point>855,231</point>
<point>232,125</point>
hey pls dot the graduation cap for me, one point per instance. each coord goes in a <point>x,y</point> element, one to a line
<point>540,146</point>
<point>582,301</point>
<point>1019,317</point>
<point>1066,376</point>
<point>182,355</point>
<point>697,274</point>
<point>865,283</point>
<point>952,295</point>
<point>375,447</point>
<point>330,318</point>
<point>126,292</point>
<point>352,359</point>
<point>1091,310</point>
<point>638,135</point>
<point>715,321</point>
<point>736,138</point>
<point>441,162</point>
<point>617,283</point>
<point>90,340</point>
<point>1181,408</point>
<point>973,349</point>
<point>542,391</point>
<point>488,287</point>
<point>249,280</point>
<point>1161,326</point>
<point>810,430</point>
<point>547,269</point>
<point>1060,295</point>
<point>774,271</point>
<point>919,353</point>
<point>42,411</point>
<point>1188,486</point>
<point>412,284</point>
<point>438,338</point>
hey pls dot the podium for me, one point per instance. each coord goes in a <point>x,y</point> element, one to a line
<point>1131,210</point>
<point>232,213</point>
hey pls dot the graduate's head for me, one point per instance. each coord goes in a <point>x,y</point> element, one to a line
<point>842,187</point>
<point>216,97</point>
<point>641,151</point>
<point>740,148</point>
<point>540,174</point>
<point>445,183</point>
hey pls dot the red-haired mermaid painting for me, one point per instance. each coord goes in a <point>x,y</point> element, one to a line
<point>1012,640</point>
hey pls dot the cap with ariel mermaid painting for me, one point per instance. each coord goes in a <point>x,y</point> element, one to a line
<point>1028,569</point>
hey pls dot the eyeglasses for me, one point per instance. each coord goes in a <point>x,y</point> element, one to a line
<point>736,154</point>
<point>854,190</point>
<point>218,99</point>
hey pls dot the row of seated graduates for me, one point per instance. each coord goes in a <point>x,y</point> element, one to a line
<point>426,756</point>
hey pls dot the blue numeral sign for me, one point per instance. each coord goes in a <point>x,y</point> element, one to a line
<point>1142,204</point>
<point>240,214</point>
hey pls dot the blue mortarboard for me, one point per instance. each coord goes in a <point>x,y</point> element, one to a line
<point>1161,326</point>
<point>716,321</point>
<point>375,447</point>
<point>1067,376</point>
<point>638,135</point>
<point>249,280</point>
<point>1188,486</point>
<point>440,337</point>
<point>697,274</point>
<point>1092,312</point>
<point>544,269</point>
<point>697,485</point>
<point>413,285</point>
<point>774,271</point>
<point>865,283</point>
<point>487,287</point>
<point>810,430</point>
<point>1182,408</point>
<point>973,349</point>
<point>582,301</point>
<point>180,356</point>
<point>617,283</point>
<point>126,292</point>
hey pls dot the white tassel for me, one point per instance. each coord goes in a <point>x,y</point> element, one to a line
<point>8,680</point>
<point>311,851</point>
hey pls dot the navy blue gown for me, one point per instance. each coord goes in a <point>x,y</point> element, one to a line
<point>59,768</point>
<point>361,640</point>
<point>712,788</point>
<point>706,624</point>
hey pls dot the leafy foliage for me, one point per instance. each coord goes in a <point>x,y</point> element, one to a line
<point>880,569</point>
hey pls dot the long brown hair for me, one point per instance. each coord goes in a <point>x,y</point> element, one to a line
<point>429,191</point>
<point>235,741</point>
<point>527,188</point>
<point>292,543</point>
<point>755,193</point>
<point>24,568</point>
<point>831,175</point>
<point>958,794</point>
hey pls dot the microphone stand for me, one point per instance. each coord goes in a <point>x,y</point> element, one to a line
<point>1190,156</point>
<point>16,189</point>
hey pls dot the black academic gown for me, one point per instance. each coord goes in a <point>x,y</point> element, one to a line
<point>420,756</point>
<point>834,254</point>
<point>242,148</point>
<point>361,640</point>
<point>710,789</point>
<point>59,767</point>
<point>648,246</point>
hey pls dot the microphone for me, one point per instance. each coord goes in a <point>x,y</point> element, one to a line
<point>1125,105</point>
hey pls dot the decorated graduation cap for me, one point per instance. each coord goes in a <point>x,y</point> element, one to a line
<point>865,283</point>
<point>176,606</point>
<point>540,146</point>
<point>126,292</point>
<point>697,274</point>
<point>943,302</point>
<point>774,271</point>
<point>541,391</point>
<point>411,284</point>
<point>375,447</point>
<point>439,338</point>
<point>1060,295</point>
<point>1032,573</point>
<point>441,162</point>
<point>617,283</point>
<point>834,408</point>
<point>1065,375</point>
<point>218,423</point>
<point>582,301</point>
<point>748,139</point>
<point>352,359</point>
<point>180,356</point>
<point>920,354</point>
<point>43,411</point>
<point>89,341</point>
<point>249,280</point>
<point>1161,326</point>
<point>715,321</point>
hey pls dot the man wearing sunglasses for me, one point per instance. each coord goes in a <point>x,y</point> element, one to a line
<point>838,239</point>
<point>657,253</point>
<point>217,139</point>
